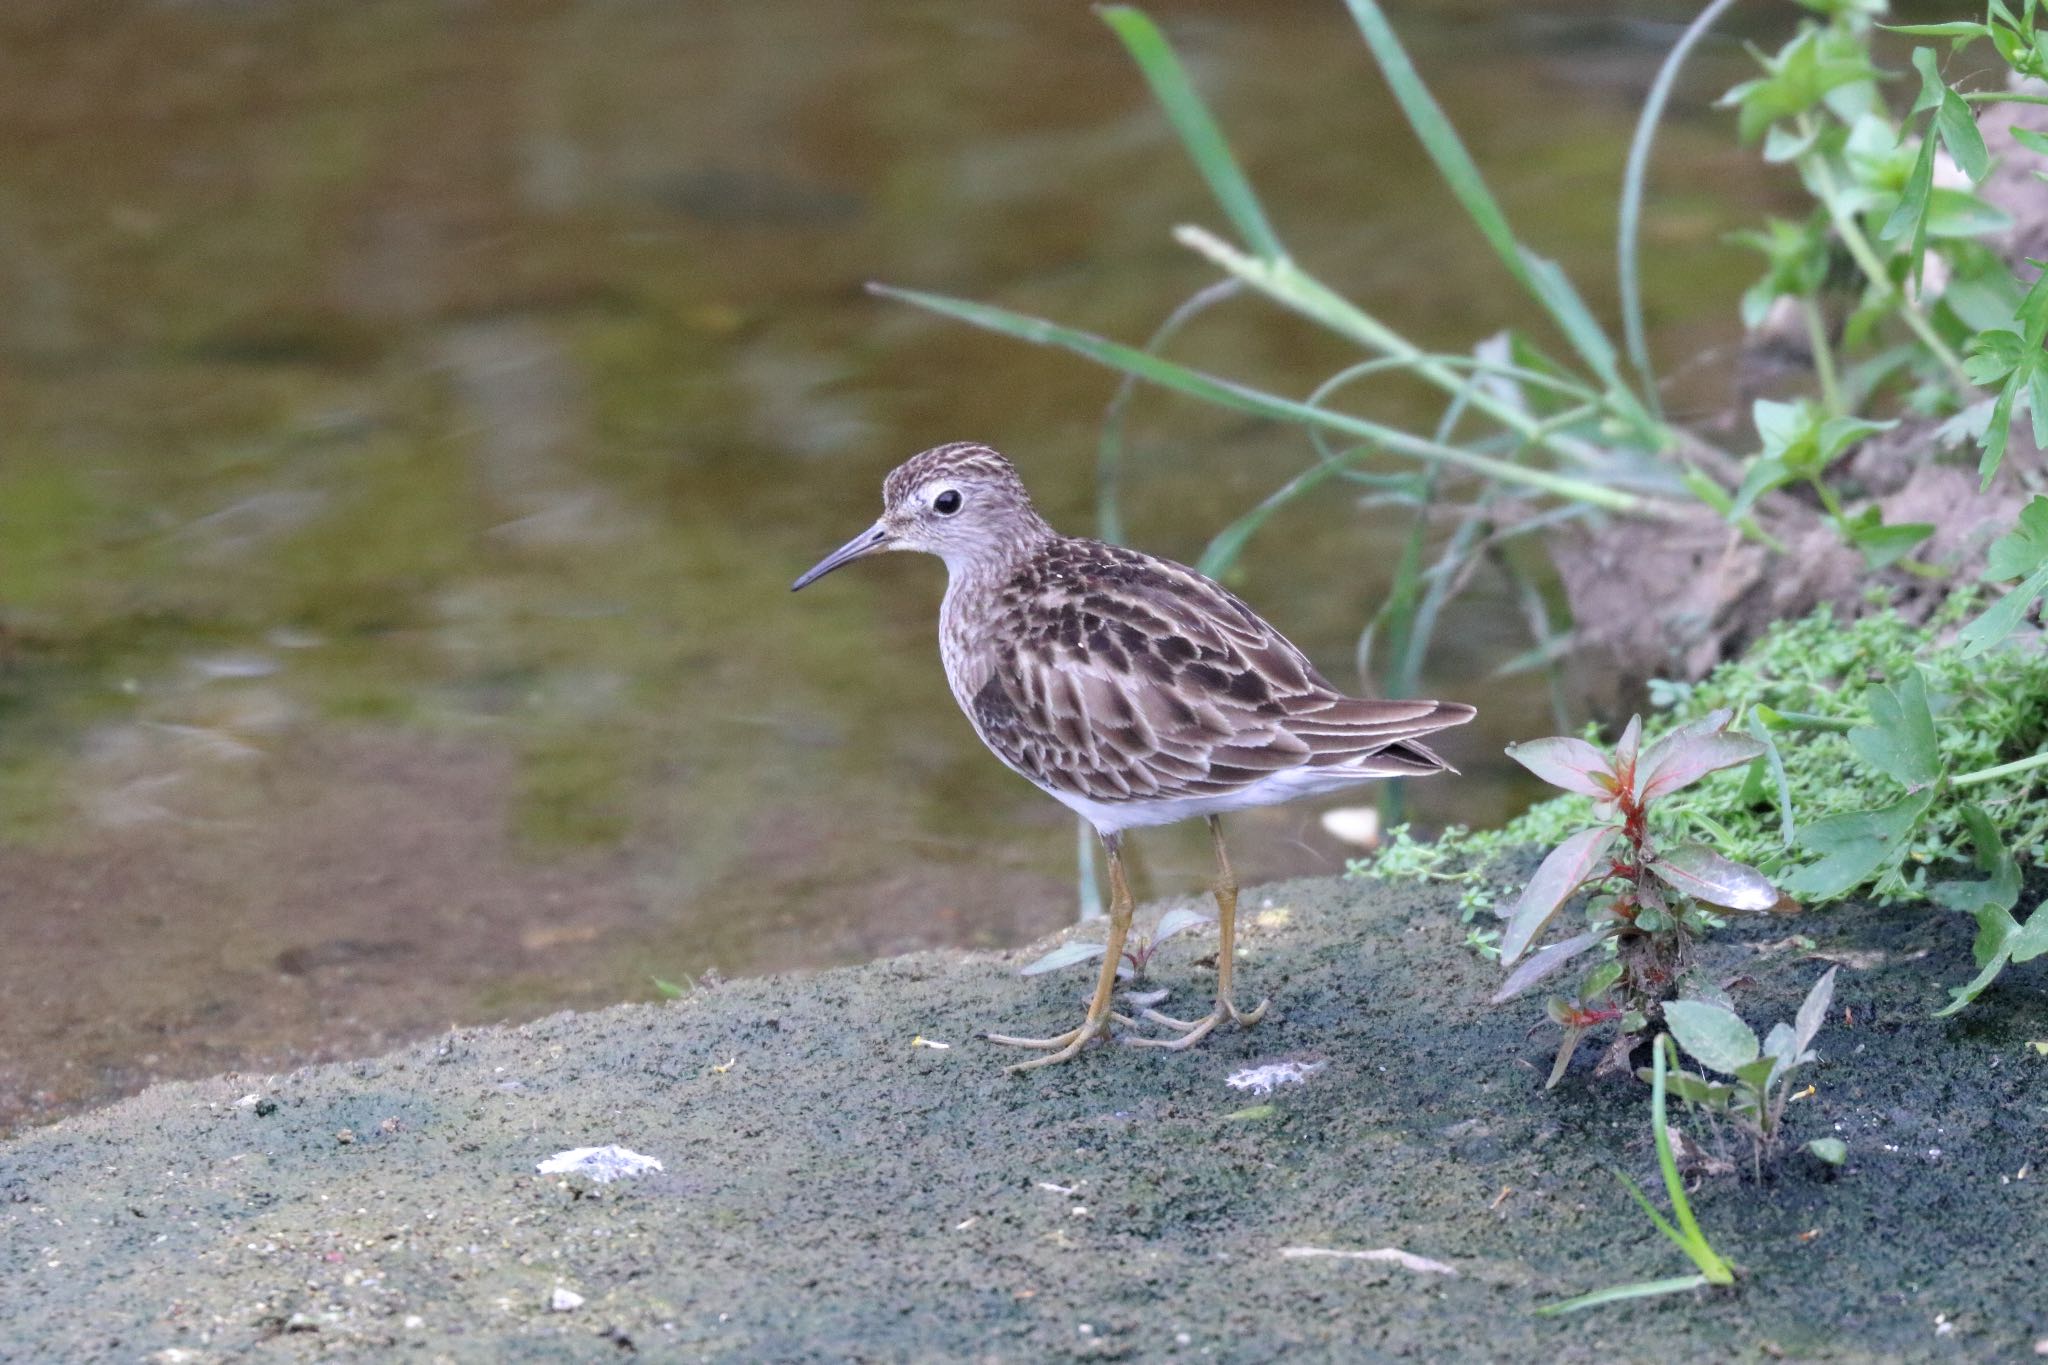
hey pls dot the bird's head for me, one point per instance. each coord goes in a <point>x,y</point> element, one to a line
<point>962,502</point>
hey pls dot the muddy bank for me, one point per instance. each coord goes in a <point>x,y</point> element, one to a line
<point>832,1191</point>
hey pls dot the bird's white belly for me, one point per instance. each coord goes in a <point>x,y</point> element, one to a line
<point>1288,784</point>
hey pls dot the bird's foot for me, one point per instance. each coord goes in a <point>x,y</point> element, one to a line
<point>1064,1045</point>
<point>1193,1031</point>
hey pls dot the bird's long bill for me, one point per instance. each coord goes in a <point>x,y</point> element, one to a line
<point>875,538</point>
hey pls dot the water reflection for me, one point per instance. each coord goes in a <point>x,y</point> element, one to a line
<point>416,413</point>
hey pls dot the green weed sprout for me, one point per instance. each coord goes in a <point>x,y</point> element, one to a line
<point>1685,1235</point>
<point>1760,1076</point>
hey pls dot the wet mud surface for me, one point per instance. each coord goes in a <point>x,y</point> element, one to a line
<point>834,1191</point>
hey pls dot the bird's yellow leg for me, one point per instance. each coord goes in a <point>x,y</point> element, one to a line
<point>1194,1030</point>
<point>1099,1015</point>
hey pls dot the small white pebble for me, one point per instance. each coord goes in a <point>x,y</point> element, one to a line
<point>1260,1080</point>
<point>601,1164</point>
<point>564,1300</point>
<point>413,1322</point>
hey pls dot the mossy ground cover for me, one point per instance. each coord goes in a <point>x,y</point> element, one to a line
<point>1989,710</point>
<point>833,1191</point>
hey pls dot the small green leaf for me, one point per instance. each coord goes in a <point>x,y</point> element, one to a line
<point>2002,617</point>
<point>2001,889</point>
<point>1782,1044</point>
<point>1997,433</point>
<point>2000,940</point>
<point>1959,134</point>
<point>2033,310</point>
<point>1963,29</point>
<point>1797,78</point>
<point>1813,1011</point>
<point>1565,1049</point>
<point>1855,847</point>
<point>1900,741</point>
<point>1756,1075</point>
<point>1834,1151</point>
<point>1715,1038</point>
<point>1907,219</point>
<point>1759,718</point>
<point>1960,213</point>
<point>1883,545</point>
<point>1837,434</point>
<point>1932,87</point>
<point>1788,142</point>
<point>1994,353</point>
<point>1599,981</point>
<point>1765,473</point>
<point>2023,549</point>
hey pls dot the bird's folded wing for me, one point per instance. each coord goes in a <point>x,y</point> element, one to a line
<point>1171,687</point>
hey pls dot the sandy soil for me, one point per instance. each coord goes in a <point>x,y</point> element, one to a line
<point>834,1192</point>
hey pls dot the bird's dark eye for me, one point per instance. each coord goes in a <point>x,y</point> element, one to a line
<point>946,503</point>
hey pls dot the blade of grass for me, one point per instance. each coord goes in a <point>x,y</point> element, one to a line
<point>1198,132</point>
<point>1633,180</point>
<point>1405,673</point>
<point>1776,762</point>
<point>1642,1289</point>
<point>1540,278</point>
<point>1536,613</point>
<point>1686,1235</point>
<point>1228,394</point>
<point>1695,1242</point>
<point>1420,628</point>
<point>1109,451</point>
<point>1292,287</point>
<point>1087,887</point>
<point>1228,543</point>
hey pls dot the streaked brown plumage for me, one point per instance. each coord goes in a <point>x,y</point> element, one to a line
<point>1132,689</point>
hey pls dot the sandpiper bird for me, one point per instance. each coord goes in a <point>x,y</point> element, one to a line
<point>1130,689</point>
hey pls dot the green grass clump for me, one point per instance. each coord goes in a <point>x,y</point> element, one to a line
<point>1989,710</point>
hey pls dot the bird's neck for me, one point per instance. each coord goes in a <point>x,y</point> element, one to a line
<point>975,580</point>
<point>983,567</point>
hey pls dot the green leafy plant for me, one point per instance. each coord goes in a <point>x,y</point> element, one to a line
<point>2001,939</point>
<point>1682,1228</point>
<point>1906,235</point>
<point>1899,741</point>
<point>1806,688</point>
<point>1759,1076</point>
<point>1654,891</point>
<point>2021,553</point>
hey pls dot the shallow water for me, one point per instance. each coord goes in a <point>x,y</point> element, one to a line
<point>415,414</point>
